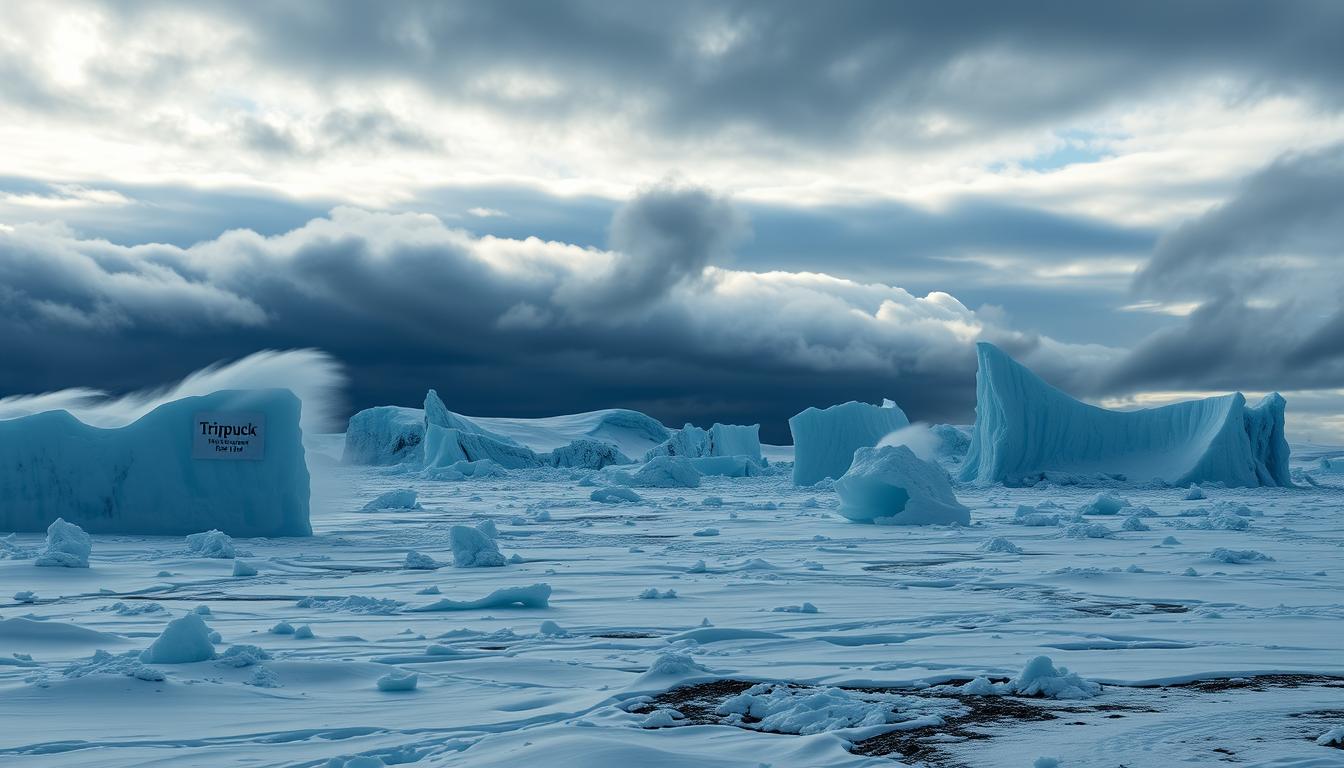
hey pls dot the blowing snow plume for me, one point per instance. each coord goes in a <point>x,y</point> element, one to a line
<point>311,374</point>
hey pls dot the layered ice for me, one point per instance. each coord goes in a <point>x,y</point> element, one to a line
<point>143,478</point>
<point>892,486</point>
<point>824,441</point>
<point>719,440</point>
<point>1026,429</point>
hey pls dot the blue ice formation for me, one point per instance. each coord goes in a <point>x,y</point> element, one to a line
<point>387,434</point>
<point>890,485</point>
<point>1026,429</point>
<point>736,440</point>
<point>824,441</point>
<point>144,478</point>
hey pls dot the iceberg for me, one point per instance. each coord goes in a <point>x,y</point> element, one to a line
<point>661,472</point>
<point>1025,428</point>
<point>824,441</point>
<point>690,441</point>
<point>587,453</point>
<point>719,440</point>
<point>385,435</point>
<point>450,438</point>
<point>892,486</point>
<point>181,468</point>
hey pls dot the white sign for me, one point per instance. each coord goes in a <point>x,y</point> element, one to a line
<point>228,435</point>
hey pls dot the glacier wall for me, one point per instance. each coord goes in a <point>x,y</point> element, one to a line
<point>1025,428</point>
<point>149,477</point>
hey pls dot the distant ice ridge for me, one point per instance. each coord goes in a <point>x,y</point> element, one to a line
<point>436,437</point>
<point>1026,428</point>
<point>142,479</point>
<point>824,441</point>
<point>892,486</point>
<point>719,440</point>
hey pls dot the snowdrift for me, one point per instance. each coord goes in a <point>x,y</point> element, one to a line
<point>824,441</point>
<point>1025,429</point>
<point>151,477</point>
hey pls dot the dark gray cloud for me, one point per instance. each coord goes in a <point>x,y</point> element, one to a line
<point>1267,267</point>
<point>822,73</point>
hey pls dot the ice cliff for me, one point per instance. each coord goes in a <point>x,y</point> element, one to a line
<point>824,441</point>
<point>1025,428</point>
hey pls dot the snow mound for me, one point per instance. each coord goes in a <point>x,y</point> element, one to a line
<point>402,498</point>
<point>1088,531</point>
<point>1034,517</point>
<point>416,561</point>
<point>1332,737</point>
<point>68,546</point>
<point>824,441</point>
<point>212,543</point>
<point>892,486</point>
<point>385,435</point>
<point>473,549</point>
<point>1025,428</point>
<point>184,640</point>
<point>143,478</point>
<point>781,708</point>
<point>535,596</point>
<point>397,682</point>
<point>998,544</point>
<point>1041,678</point>
<point>673,664</point>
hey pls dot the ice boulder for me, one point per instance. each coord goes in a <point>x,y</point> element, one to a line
<point>384,435</point>
<point>232,460</point>
<point>892,486</point>
<point>1103,504</point>
<point>587,453</point>
<point>183,641</point>
<point>473,549</point>
<point>68,546</point>
<point>401,498</point>
<point>1026,429</point>
<point>824,441</point>
<point>212,543</point>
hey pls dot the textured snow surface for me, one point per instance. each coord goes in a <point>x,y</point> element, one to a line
<point>837,630</point>
<point>1026,429</point>
<point>824,441</point>
<point>141,479</point>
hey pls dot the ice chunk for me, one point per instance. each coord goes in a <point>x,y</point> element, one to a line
<point>1195,493</point>
<point>212,543</point>
<point>68,546</point>
<point>614,494</point>
<point>416,561</point>
<point>998,544</point>
<point>1331,738</point>
<point>824,441</point>
<point>1026,428</point>
<point>450,438</point>
<point>401,498</point>
<point>183,641</point>
<point>689,441</point>
<point>1134,523</point>
<point>535,596</point>
<point>726,466</point>
<point>146,478</point>
<point>242,569</point>
<point>735,440</point>
<point>1041,678</point>
<point>394,682</point>
<point>1239,556</point>
<point>384,435</point>
<point>893,486</point>
<point>661,472</point>
<point>1103,504</point>
<point>782,708</point>
<point>473,549</point>
<point>587,453</point>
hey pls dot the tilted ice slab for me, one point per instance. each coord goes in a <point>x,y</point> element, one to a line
<point>1025,427</point>
<point>388,434</point>
<point>142,478</point>
<point>824,441</point>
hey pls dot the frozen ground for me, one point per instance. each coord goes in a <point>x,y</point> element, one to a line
<point>616,679</point>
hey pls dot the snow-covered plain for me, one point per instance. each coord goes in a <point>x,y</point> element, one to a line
<point>807,640</point>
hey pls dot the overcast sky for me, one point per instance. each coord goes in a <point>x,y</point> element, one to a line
<point>706,211</point>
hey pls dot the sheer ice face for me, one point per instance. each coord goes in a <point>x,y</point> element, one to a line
<point>142,478</point>
<point>387,434</point>
<point>892,486</point>
<point>1025,427</point>
<point>824,441</point>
